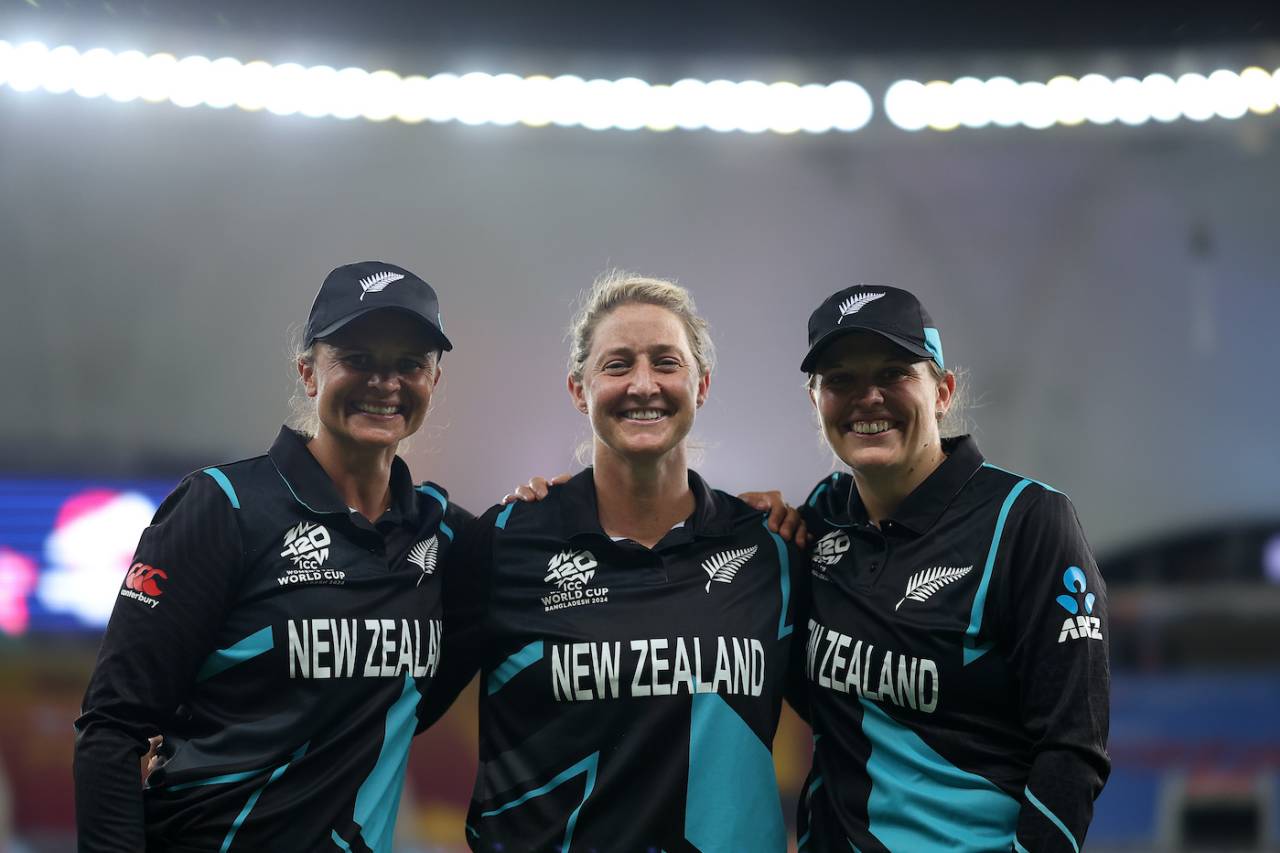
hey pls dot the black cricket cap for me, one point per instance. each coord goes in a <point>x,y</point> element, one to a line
<point>891,312</point>
<point>353,290</point>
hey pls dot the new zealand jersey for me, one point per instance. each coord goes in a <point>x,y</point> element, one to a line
<point>628,696</point>
<point>280,643</point>
<point>957,664</point>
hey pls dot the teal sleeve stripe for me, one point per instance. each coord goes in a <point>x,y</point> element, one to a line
<point>250,647</point>
<point>784,574</point>
<point>339,840</point>
<point>513,666</point>
<point>802,841</point>
<point>817,493</point>
<point>434,493</point>
<point>1018,848</point>
<point>974,650</point>
<point>446,530</point>
<point>588,766</point>
<point>253,799</point>
<point>501,521</point>
<point>225,484</point>
<point>1053,818</point>
<point>216,780</point>
<point>813,786</point>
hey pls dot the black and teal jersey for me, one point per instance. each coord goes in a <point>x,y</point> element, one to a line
<point>280,643</point>
<point>628,696</point>
<point>957,662</point>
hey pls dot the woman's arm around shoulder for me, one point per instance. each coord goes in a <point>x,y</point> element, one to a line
<point>467,567</point>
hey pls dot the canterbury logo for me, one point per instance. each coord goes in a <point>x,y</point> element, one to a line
<point>145,579</point>
<point>722,567</point>
<point>307,545</point>
<point>423,555</point>
<point>925,583</point>
<point>571,569</point>
<point>377,282</point>
<point>854,304</point>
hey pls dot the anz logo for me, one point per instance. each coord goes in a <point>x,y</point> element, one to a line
<point>1081,624</point>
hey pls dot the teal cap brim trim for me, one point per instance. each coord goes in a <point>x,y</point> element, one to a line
<point>933,343</point>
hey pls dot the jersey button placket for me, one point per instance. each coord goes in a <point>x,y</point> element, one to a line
<point>881,560</point>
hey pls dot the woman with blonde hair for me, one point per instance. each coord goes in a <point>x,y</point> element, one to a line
<point>633,629</point>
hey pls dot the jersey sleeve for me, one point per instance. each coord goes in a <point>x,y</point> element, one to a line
<point>167,614</point>
<point>1055,622</point>
<point>467,568</point>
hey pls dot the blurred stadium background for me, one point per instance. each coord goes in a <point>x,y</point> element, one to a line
<point>1087,202</point>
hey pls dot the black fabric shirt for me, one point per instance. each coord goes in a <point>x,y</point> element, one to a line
<point>280,643</point>
<point>957,661</point>
<point>628,696</point>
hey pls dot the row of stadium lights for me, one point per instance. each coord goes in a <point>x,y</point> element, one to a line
<point>629,103</point>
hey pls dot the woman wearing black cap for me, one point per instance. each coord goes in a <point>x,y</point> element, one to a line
<point>282,618</point>
<point>956,651</point>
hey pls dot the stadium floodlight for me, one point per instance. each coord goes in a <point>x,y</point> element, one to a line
<point>476,98</point>
<point>945,105</point>
<point>1161,95</point>
<point>1259,91</point>
<point>905,105</point>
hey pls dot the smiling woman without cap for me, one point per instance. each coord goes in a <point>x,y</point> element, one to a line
<point>633,629</point>
<point>283,615</point>
<point>957,652</point>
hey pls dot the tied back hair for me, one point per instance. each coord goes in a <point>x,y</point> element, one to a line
<point>304,418</point>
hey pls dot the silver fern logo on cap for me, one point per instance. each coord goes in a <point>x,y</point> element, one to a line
<point>854,304</point>
<point>723,566</point>
<point>377,282</point>
<point>926,582</point>
<point>423,555</point>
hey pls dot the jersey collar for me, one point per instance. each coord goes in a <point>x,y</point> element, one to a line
<point>312,487</point>
<point>923,506</point>
<point>713,513</point>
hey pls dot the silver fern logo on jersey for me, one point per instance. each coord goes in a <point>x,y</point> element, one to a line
<point>723,567</point>
<point>926,582</point>
<point>306,545</point>
<point>828,551</point>
<point>423,555</point>
<point>854,304</point>
<point>377,282</point>
<point>571,571</point>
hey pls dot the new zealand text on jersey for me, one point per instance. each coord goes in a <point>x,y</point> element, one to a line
<point>330,648</point>
<point>838,662</point>
<point>657,667</point>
